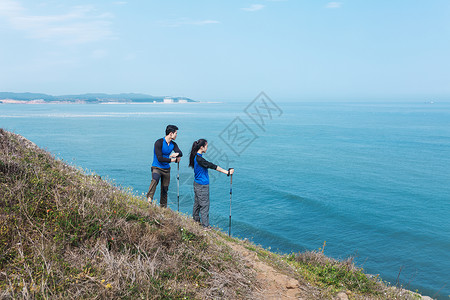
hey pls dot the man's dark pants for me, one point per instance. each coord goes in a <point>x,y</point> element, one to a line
<point>164,175</point>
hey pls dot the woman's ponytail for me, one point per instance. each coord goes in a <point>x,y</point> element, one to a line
<point>195,146</point>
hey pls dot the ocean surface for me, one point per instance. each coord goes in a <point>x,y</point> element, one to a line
<point>370,179</point>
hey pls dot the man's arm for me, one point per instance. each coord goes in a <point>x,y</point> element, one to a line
<point>158,152</point>
<point>177,150</point>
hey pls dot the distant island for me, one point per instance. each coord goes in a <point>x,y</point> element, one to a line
<point>92,98</point>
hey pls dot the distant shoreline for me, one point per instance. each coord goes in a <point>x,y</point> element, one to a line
<point>12,101</point>
<point>34,102</point>
<point>91,98</point>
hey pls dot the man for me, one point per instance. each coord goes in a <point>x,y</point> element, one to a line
<point>162,157</point>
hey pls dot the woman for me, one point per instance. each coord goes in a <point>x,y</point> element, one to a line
<point>201,181</point>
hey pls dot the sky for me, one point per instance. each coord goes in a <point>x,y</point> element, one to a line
<point>217,50</point>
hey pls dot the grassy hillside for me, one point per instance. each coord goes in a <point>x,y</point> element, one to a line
<point>68,234</point>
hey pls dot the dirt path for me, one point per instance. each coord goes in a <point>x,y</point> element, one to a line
<point>275,285</point>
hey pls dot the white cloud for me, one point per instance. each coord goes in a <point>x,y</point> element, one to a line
<point>334,5</point>
<point>254,7</point>
<point>9,7</point>
<point>185,21</point>
<point>81,24</point>
<point>99,54</point>
<point>205,22</point>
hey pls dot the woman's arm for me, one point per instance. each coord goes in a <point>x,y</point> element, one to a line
<point>225,171</point>
<point>206,164</point>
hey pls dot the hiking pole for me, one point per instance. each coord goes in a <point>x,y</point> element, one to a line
<point>231,193</point>
<point>178,185</point>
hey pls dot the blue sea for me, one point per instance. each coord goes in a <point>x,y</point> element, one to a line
<point>370,179</point>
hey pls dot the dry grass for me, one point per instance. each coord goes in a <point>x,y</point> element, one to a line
<point>67,234</point>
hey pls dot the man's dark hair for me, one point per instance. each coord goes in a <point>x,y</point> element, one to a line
<point>171,128</point>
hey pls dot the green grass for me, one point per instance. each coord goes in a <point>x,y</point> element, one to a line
<point>334,274</point>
